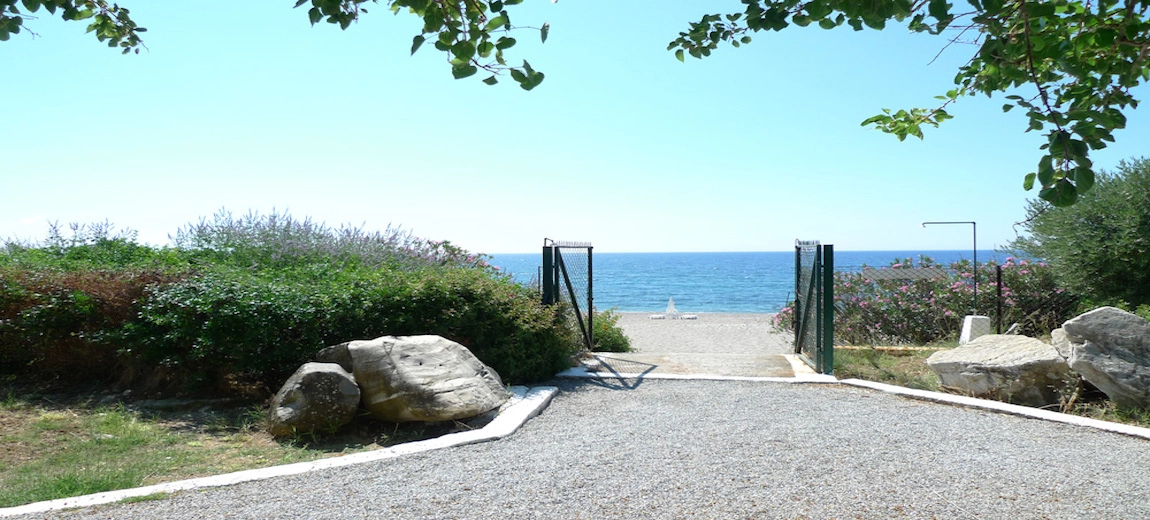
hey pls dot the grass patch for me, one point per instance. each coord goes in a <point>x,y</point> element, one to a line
<point>50,450</point>
<point>907,368</point>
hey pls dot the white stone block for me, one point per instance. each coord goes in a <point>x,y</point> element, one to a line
<point>973,327</point>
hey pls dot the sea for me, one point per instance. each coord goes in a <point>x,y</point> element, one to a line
<point>744,282</point>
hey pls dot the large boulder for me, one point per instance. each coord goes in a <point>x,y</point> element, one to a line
<point>422,378</point>
<point>1110,348</point>
<point>1061,343</point>
<point>1009,368</point>
<point>318,396</point>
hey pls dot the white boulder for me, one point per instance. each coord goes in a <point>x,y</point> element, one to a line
<point>1010,368</point>
<point>1110,348</point>
<point>422,378</point>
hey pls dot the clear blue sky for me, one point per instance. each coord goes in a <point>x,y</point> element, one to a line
<point>245,106</point>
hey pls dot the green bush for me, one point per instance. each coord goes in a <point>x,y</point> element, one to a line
<point>607,335</point>
<point>1098,248</point>
<point>253,300</point>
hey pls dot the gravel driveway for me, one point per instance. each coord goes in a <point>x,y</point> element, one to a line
<point>720,449</point>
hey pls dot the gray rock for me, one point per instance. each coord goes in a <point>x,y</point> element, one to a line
<point>318,396</point>
<point>1060,342</point>
<point>1111,349</point>
<point>423,378</point>
<point>1015,369</point>
<point>337,354</point>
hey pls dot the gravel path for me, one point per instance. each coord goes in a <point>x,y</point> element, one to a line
<point>707,449</point>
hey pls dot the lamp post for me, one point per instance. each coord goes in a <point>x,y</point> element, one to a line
<point>974,231</point>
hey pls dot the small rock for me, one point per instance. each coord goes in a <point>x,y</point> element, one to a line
<point>318,396</point>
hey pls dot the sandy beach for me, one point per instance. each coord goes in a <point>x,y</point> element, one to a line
<point>719,333</point>
<point>714,343</point>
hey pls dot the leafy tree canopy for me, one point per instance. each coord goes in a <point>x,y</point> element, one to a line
<point>1098,248</point>
<point>1070,65</point>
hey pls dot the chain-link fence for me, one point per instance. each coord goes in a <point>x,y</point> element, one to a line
<point>567,280</point>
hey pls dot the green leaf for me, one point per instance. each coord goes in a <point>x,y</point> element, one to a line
<point>491,80</point>
<point>495,23</point>
<point>485,49</point>
<point>464,50</point>
<point>504,43</point>
<point>1007,107</point>
<point>1061,194</point>
<point>1028,181</point>
<point>32,5</point>
<point>314,15</point>
<point>679,54</point>
<point>827,23</point>
<point>463,71</point>
<point>416,43</point>
<point>938,9</point>
<point>1083,179</point>
<point>544,31</point>
<point>1045,171</point>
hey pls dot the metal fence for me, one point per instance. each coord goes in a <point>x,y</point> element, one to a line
<point>566,277</point>
<point>814,295</point>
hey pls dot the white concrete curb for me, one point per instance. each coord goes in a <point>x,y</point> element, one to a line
<point>582,373</point>
<point>524,405</point>
<point>998,406</point>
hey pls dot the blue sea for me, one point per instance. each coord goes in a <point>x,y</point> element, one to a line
<point>709,282</point>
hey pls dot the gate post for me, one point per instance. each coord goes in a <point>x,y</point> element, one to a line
<point>548,281</point>
<point>590,298</point>
<point>828,296</point>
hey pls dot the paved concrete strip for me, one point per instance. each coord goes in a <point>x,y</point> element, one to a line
<point>769,365</point>
<point>523,405</point>
<point>998,406</point>
<point>582,373</point>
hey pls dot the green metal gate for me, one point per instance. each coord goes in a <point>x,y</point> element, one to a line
<point>566,279</point>
<point>815,304</point>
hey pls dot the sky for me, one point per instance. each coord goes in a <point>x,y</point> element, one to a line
<point>247,108</point>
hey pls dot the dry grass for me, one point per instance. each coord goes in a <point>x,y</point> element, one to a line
<point>908,368</point>
<point>60,446</point>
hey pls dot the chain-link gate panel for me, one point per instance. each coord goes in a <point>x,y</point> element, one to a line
<point>814,304</point>
<point>567,279</point>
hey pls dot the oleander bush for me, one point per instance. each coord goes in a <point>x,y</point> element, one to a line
<point>894,311</point>
<point>249,299</point>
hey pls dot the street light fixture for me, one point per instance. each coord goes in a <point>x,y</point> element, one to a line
<point>974,230</point>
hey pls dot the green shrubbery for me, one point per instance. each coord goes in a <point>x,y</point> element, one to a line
<point>1100,246</point>
<point>607,335</point>
<point>251,299</point>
